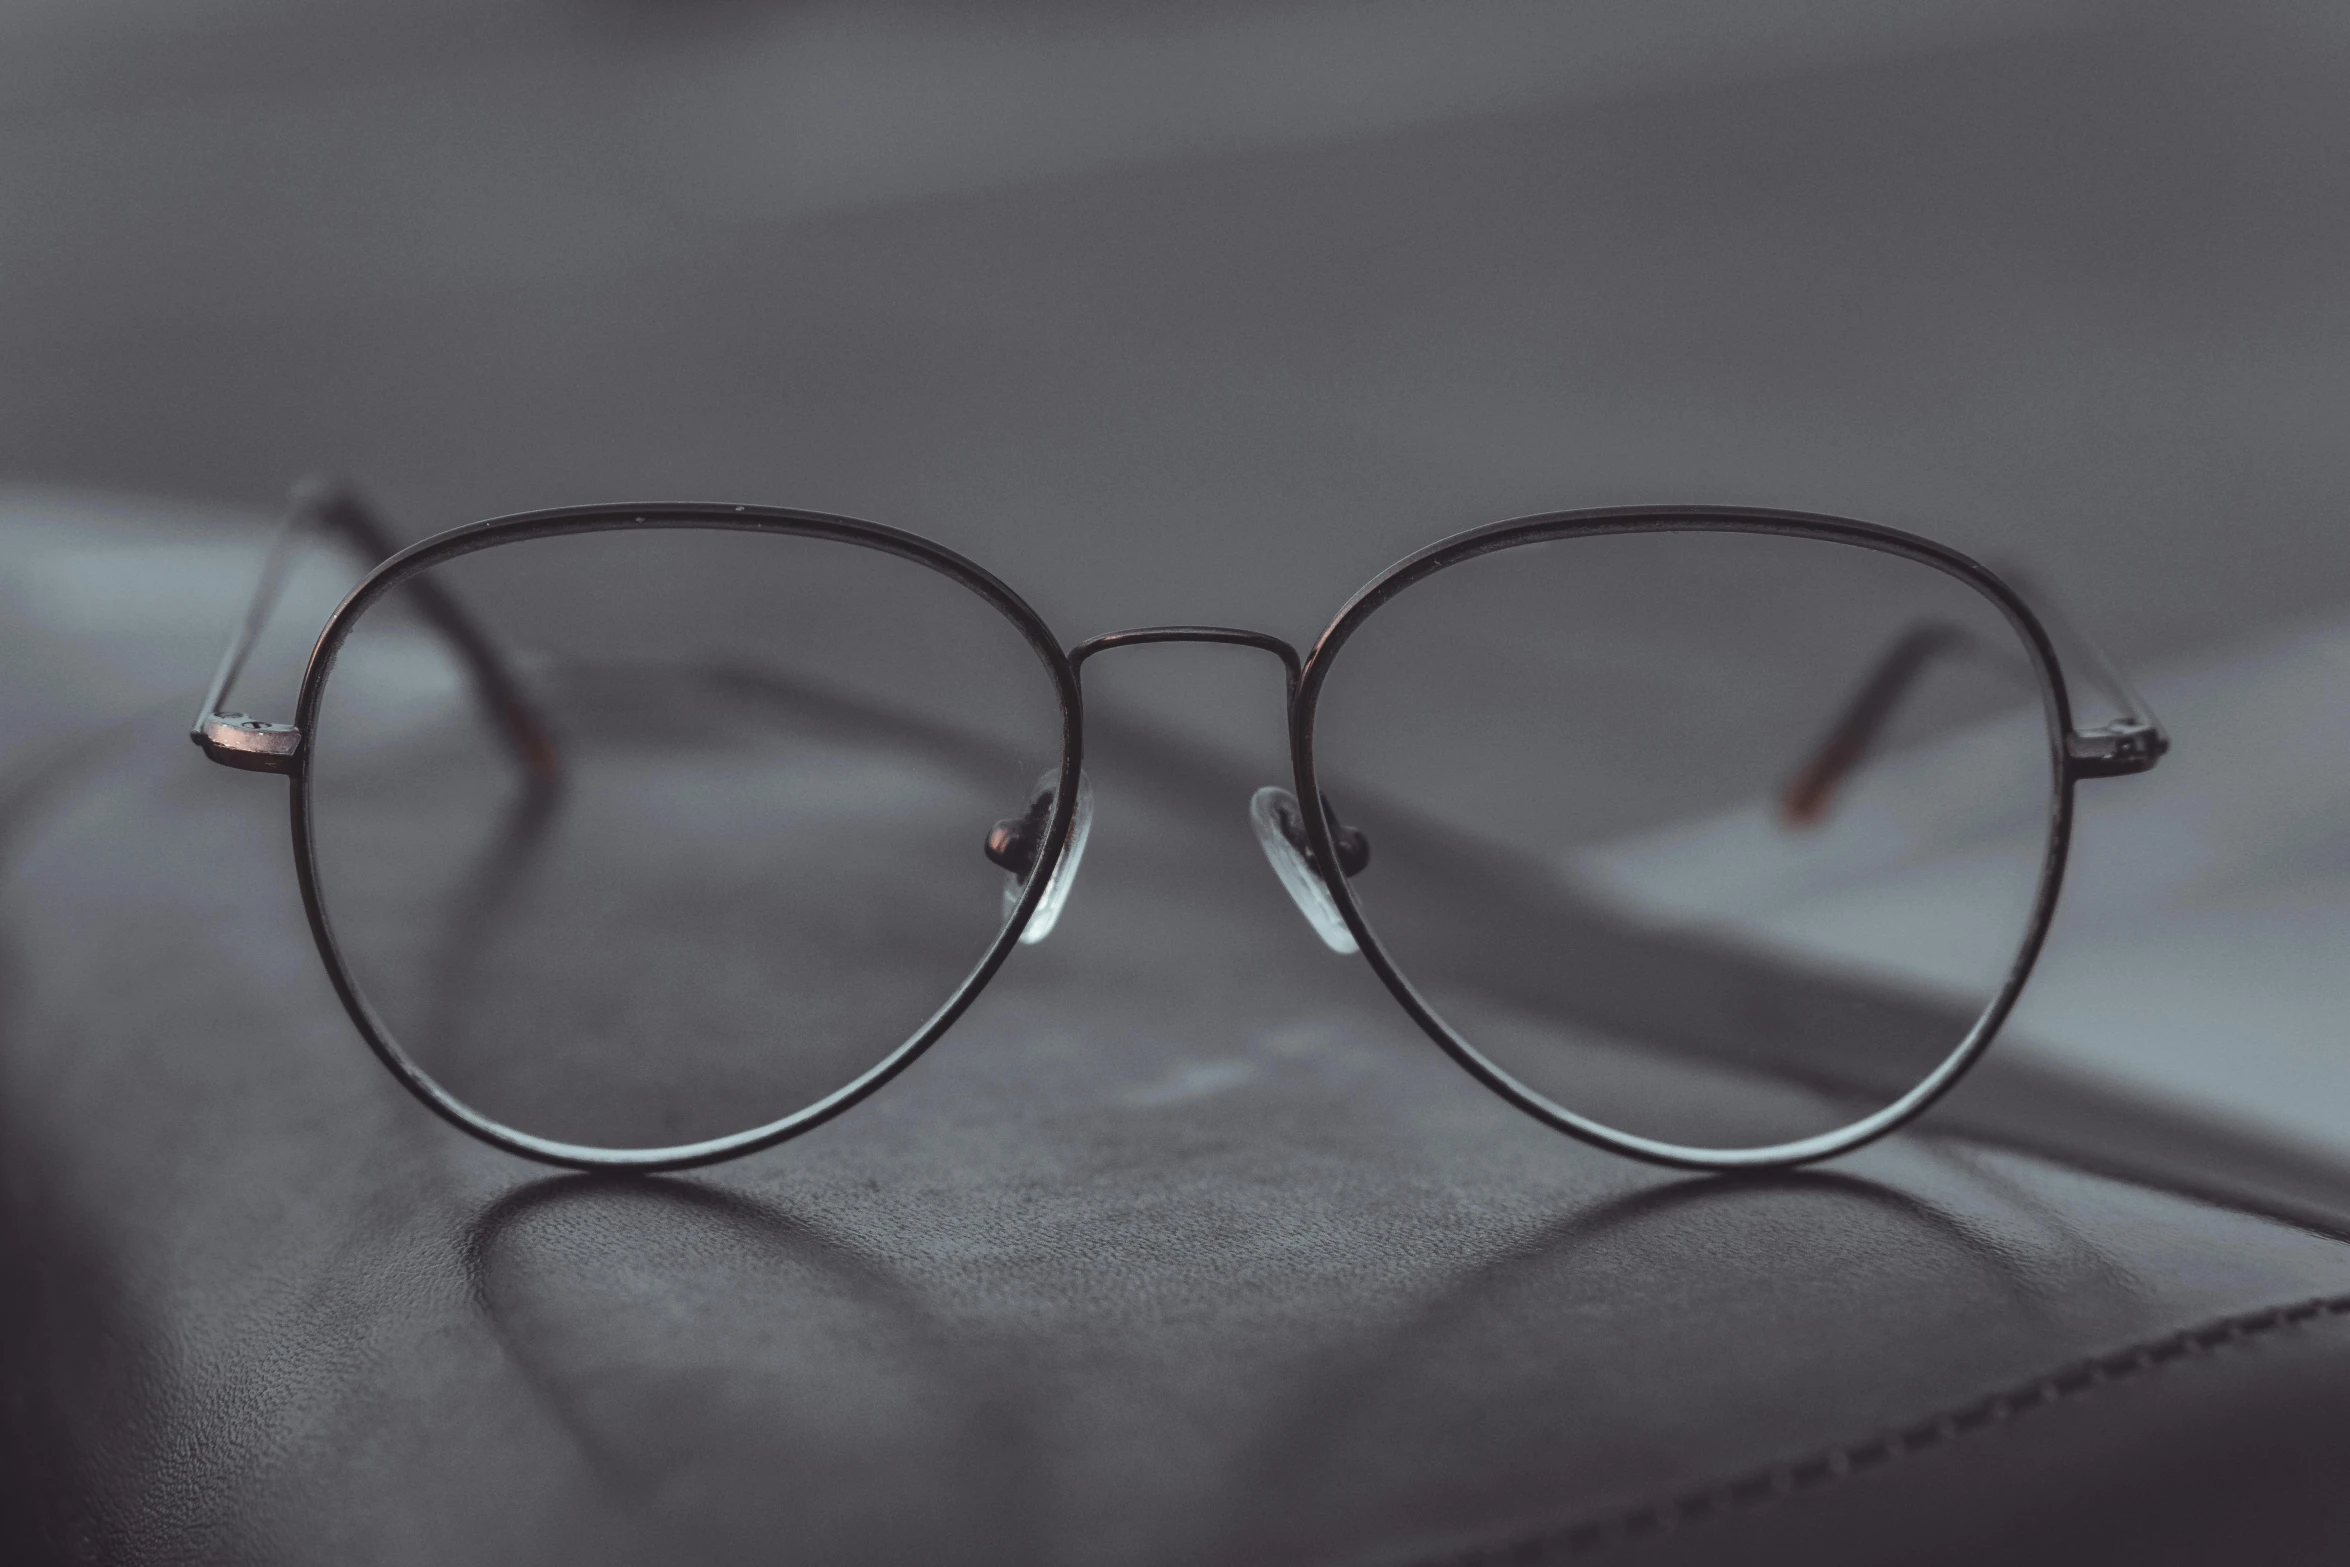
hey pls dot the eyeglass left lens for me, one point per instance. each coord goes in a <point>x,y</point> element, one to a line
<point>764,863</point>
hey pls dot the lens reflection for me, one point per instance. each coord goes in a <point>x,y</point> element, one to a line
<point>760,867</point>
<point>1724,840</point>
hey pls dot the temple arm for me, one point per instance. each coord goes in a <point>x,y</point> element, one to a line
<point>236,740</point>
<point>2132,743</point>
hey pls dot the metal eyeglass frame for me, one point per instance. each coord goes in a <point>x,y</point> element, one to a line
<point>1313,853</point>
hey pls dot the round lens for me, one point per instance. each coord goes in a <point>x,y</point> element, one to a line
<point>765,854</point>
<point>1722,840</point>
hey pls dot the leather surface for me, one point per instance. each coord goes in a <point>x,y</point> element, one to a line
<point>1182,1247</point>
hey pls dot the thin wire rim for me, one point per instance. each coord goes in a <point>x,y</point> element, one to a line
<point>524,527</point>
<point>1596,522</point>
<point>1453,550</point>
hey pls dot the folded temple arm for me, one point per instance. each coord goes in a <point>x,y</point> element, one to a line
<point>235,740</point>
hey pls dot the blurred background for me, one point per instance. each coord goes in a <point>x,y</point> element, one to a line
<point>1198,310</point>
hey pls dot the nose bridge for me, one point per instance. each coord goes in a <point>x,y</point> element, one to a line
<point>1291,666</point>
<point>1273,811</point>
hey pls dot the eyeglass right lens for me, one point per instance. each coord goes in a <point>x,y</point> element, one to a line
<point>1722,840</point>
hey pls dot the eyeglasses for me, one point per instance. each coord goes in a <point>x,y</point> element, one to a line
<point>647,836</point>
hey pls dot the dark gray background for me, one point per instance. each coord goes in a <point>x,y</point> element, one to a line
<point>1209,310</point>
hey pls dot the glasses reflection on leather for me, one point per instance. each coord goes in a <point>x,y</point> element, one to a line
<point>647,836</point>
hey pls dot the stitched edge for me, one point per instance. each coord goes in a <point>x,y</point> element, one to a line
<point>1760,1487</point>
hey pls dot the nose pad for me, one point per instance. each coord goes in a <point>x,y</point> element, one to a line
<point>1281,833</point>
<point>1014,844</point>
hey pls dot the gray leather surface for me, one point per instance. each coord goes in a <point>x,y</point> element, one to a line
<point>1182,1247</point>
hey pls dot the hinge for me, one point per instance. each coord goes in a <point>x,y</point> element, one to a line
<point>2131,745</point>
<point>234,740</point>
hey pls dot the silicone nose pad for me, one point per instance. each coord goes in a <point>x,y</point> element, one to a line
<point>1281,833</point>
<point>1064,874</point>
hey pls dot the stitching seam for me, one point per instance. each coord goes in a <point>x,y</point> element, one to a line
<point>1761,1487</point>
